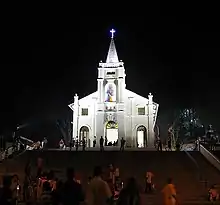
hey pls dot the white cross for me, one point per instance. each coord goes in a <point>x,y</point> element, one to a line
<point>112,31</point>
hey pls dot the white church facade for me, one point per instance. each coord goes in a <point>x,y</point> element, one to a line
<point>114,111</point>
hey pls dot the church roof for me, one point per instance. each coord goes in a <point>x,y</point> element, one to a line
<point>112,56</point>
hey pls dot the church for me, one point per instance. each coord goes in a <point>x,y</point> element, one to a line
<point>113,111</point>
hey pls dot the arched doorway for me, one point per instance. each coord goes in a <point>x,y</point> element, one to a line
<point>84,132</point>
<point>112,131</point>
<point>141,136</point>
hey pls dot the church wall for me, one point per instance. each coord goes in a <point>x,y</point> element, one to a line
<point>132,116</point>
<point>87,120</point>
<point>113,102</point>
<point>100,124</point>
<point>121,125</point>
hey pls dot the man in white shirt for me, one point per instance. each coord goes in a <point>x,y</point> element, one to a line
<point>99,192</point>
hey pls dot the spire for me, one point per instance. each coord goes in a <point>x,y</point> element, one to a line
<point>112,53</point>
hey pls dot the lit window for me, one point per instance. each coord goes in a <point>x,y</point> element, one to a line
<point>84,111</point>
<point>141,111</point>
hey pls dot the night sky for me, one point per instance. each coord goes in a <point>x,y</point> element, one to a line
<point>44,62</point>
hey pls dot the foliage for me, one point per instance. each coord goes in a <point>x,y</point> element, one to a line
<point>65,127</point>
<point>187,125</point>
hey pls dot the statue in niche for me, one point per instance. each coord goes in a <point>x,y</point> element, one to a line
<point>110,93</point>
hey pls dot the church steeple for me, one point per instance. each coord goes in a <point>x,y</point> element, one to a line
<point>112,56</point>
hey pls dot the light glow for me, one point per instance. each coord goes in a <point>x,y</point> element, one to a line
<point>112,32</point>
<point>112,135</point>
<point>140,138</point>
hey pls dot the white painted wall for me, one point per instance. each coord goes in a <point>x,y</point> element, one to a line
<point>127,103</point>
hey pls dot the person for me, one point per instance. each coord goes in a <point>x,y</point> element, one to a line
<point>77,143</point>
<point>71,143</point>
<point>213,194</point>
<point>61,144</point>
<point>40,184</point>
<point>84,144</point>
<point>44,143</point>
<point>52,181</point>
<point>122,144</point>
<point>94,141</point>
<point>159,144</point>
<point>72,191</point>
<point>101,142</point>
<point>15,187</point>
<point>169,193</point>
<point>99,192</point>
<point>46,196</point>
<point>106,141</point>
<point>149,176</point>
<point>129,195</point>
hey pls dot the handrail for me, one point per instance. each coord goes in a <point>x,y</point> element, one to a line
<point>209,156</point>
<point>195,163</point>
<point>3,154</point>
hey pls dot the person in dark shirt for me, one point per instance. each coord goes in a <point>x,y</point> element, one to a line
<point>101,142</point>
<point>72,191</point>
<point>129,195</point>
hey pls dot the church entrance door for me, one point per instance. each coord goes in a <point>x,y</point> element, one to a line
<point>112,131</point>
<point>141,136</point>
<point>84,132</point>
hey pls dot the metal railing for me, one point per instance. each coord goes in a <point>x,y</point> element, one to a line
<point>200,175</point>
<point>209,156</point>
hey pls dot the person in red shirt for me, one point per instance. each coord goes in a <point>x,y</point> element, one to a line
<point>213,194</point>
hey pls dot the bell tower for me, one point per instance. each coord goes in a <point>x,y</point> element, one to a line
<point>111,77</point>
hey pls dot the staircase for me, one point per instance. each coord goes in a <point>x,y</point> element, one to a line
<point>178,165</point>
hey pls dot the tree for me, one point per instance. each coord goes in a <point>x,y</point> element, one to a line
<point>187,125</point>
<point>65,127</point>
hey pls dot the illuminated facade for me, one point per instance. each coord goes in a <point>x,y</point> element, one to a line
<point>114,111</point>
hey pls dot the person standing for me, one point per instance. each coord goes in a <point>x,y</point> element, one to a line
<point>159,144</point>
<point>122,144</point>
<point>84,144</point>
<point>72,190</point>
<point>99,192</point>
<point>94,141</point>
<point>148,187</point>
<point>101,142</point>
<point>169,193</point>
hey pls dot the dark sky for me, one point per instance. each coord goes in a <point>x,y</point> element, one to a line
<point>45,61</point>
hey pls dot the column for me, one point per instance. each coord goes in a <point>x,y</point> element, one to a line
<point>100,90</point>
<point>122,90</point>
<point>76,116</point>
<point>118,91</point>
<point>94,118</point>
<point>150,122</point>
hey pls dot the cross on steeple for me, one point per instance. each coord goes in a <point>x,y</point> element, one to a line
<point>112,31</point>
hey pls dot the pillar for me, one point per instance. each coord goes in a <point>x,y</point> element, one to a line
<point>150,122</point>
<point>76,116</point>
<point>100,90</point>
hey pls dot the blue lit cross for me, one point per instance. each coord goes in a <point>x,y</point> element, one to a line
<point>112,31</point>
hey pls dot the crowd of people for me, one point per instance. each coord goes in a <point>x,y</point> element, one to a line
<point>103,142</point>
<point>103,188</point>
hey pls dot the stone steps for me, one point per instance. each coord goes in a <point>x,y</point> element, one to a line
<point>131,163</point>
